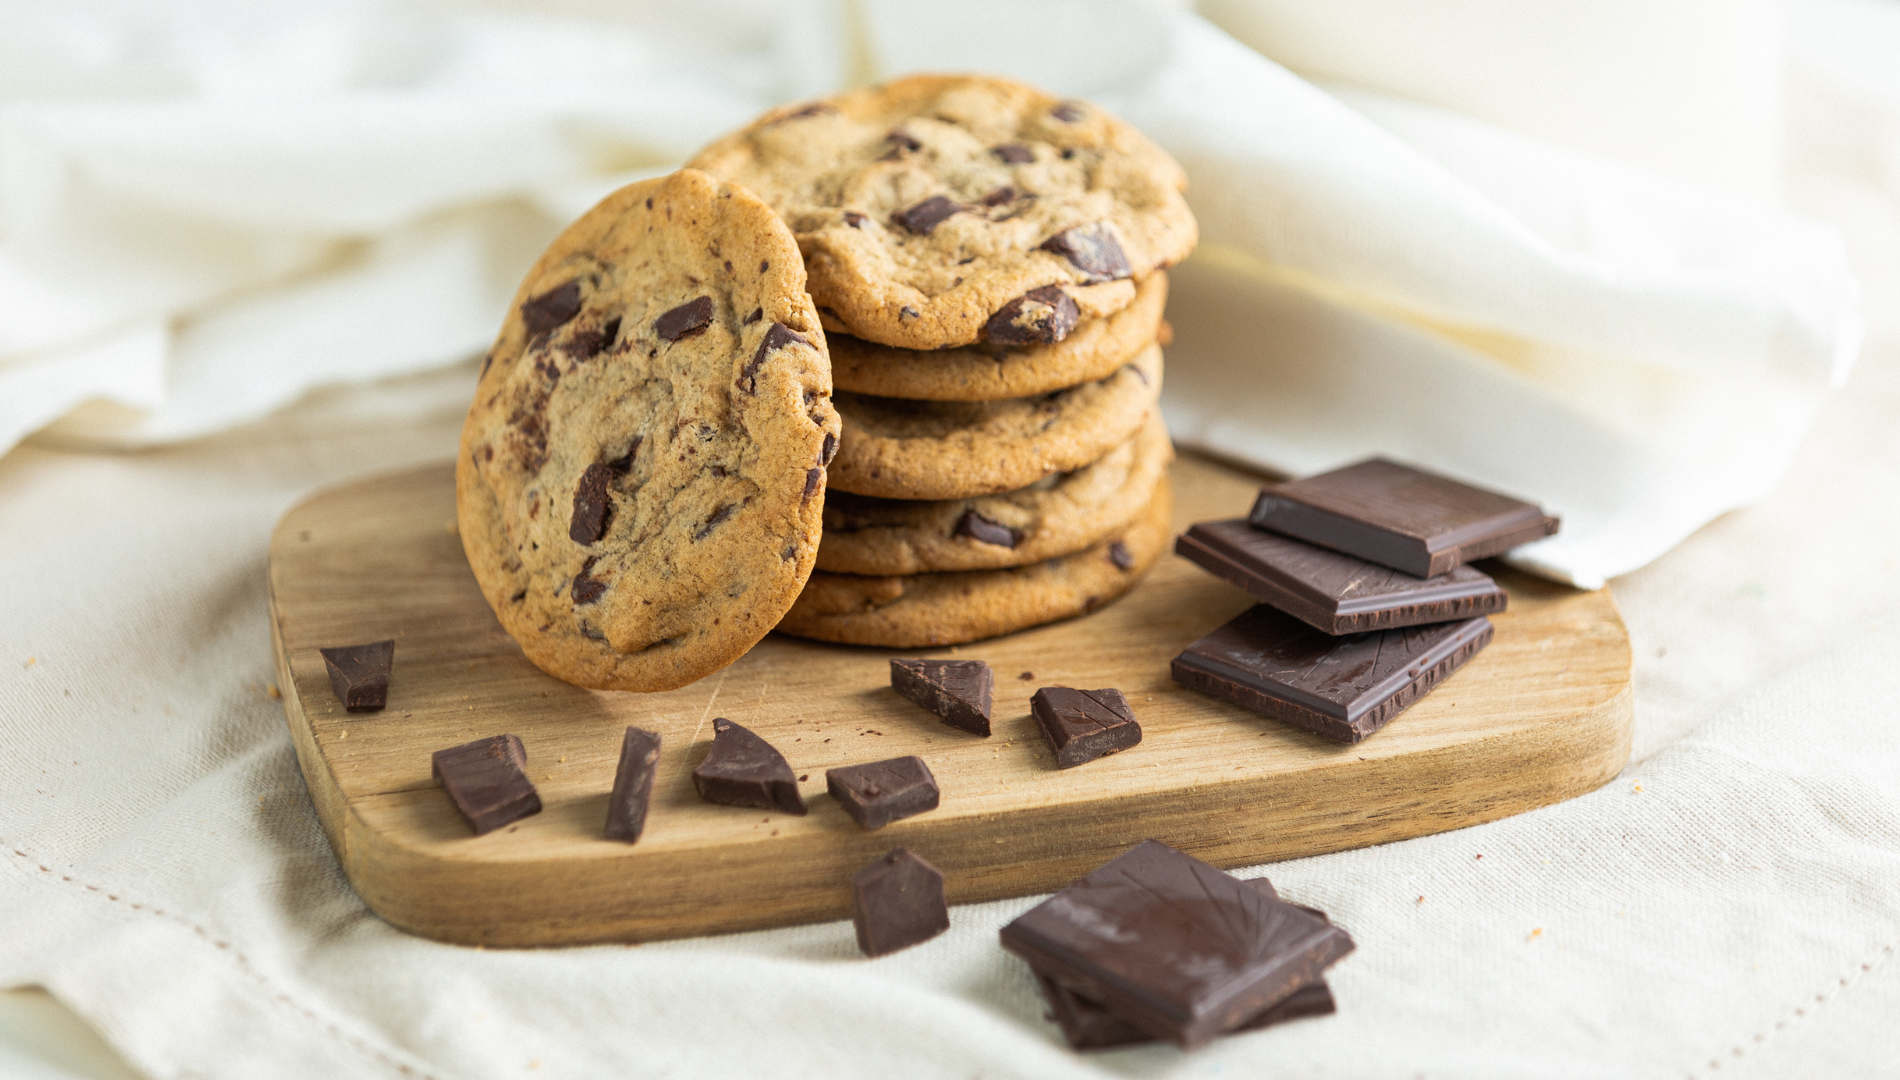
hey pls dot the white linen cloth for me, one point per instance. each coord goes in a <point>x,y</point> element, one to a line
<point>199,222</point>
<point>161,870</point>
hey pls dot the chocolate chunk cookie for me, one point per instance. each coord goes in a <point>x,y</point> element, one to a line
<point>991,372</point>
<point>942,210</point>
<point>1058,515</point>
<point>642,473</point>
<point>898,449</point>
<point>948,609</point>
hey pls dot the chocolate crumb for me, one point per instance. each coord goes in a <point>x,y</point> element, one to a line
<point>1027,676</point>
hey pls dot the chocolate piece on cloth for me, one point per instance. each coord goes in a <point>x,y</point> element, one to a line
<point>1398,516</point>
<point>1342,688</point>
<point>958,691</point>
<point>1331,591</point>
<point>1082,725</point>
<point>880,792</point>
<point>1173,946</point>
<point>897,902</point>
<point>633,784</point>
<point>1088,1025</point>
<point>359,674</point>
<point>742,769</point>
<point>487,780</point>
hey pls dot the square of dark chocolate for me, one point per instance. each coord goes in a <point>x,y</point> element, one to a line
<point>1343,688</point>
<point>359,674</point>
<point>487,780</point>
<point>958,691</point>
<point>1173,946</point>
<point>896,902</point>
<point>1082,725</point>
<point>633,784</point>
<point>1329,590</point>
<point>1399,516</point>
<point>880,792</point>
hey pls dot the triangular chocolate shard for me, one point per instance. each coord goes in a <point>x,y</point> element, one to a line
<point>958,691</point>
<point>744,770</point>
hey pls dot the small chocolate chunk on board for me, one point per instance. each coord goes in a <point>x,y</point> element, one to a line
<point>1082,725</point>
<point>1180,949</point>
<point>742,769</point>
<point>896,902</point>
<point>1343,688</point>
<point>360,674</point>
<point>1331,591</point>
<point>1399,516</point>
<point>488,781</point>
<point>880,792</point>
<point>633,785</point>
<point>960,692</point>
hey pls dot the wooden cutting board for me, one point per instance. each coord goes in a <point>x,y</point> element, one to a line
<point>1541,715</point>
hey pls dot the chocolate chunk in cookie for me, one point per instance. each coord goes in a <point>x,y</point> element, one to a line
<point>1037,317</point>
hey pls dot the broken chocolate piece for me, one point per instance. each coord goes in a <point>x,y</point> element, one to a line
<point>587,590</point>
<point>359,674</point>
<point>1082,725</point>
<point>1013,153</point>
<point>591,505</point>
<point>1038,317</point>
<point>742,769</point>
<point>880,792</point>
<point>982,529</point>
<point>624,463</point>
<point>686,320</point>
<point>958,691</point>
<point>1398,516</point>
<point>1093,250</point>
<point>897,902</point>
<point>1173,946</point>
<point>587,344</point>
<point>926,215</point>
<point>488,781</point>
<point>777,336</point>
<point>633,784</point>
<point>551,309</point>
<point>1342,688</point>
<point>1331,591</point>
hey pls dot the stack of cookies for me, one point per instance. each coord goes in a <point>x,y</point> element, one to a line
<point>986,261</point>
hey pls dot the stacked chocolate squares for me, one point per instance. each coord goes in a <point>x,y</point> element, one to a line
<point>1367,603</point>
<point>988,263</point>
<point>1159,945</point>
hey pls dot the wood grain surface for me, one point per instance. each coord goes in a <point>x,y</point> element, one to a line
<point>1541,715</point>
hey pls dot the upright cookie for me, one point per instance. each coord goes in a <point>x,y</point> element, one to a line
<point>898,449</point>
<point>1058,515</point>
<point>642,473</point>
<point>948,609</point>
<point>941,210</point>
<point>992,372</point>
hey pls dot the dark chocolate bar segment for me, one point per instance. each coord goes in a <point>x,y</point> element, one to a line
<point>1082,725</point>
<point>633,784</point>
<point>1343,688</point>
<point>1398,516</point>
<point>488,781</point>
<point>880,792</point>
<point>958,691</point>
<point>1174,946</point>
<point>1329,590</point>
<point>359,674</point>
<point>744,770</point>
<point>897,902</point>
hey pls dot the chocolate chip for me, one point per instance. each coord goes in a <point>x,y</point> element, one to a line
<point>728,266</point>
<point>907,312</point>
<point>552,308</point>
<point>1068,112</point>
<point>1039,316</point>
<point>587,344</point>
<point>1001,196</point>
<point>777,336</point>
<point>926,215</point>
<point>591,505</point>
<point>1119,554</point>
<point>983,530</point>
<point>764,265</point>
<point>757,314</point>
<point>586,590</point>
<point>624,463</point>
<point>816,108</point>
<point>830,449</point>
<point>1013,153</point>
<point>1093,250</point>
<point>718,516</point>
<point>813,477</point>
<point>901,141</point>
<point>687,319</point>
<point>855,219</point>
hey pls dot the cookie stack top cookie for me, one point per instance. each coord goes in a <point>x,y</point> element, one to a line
<point>939,211</point>
<point>641,477</point>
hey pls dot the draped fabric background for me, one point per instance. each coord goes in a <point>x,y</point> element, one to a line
<point>266,247</point>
